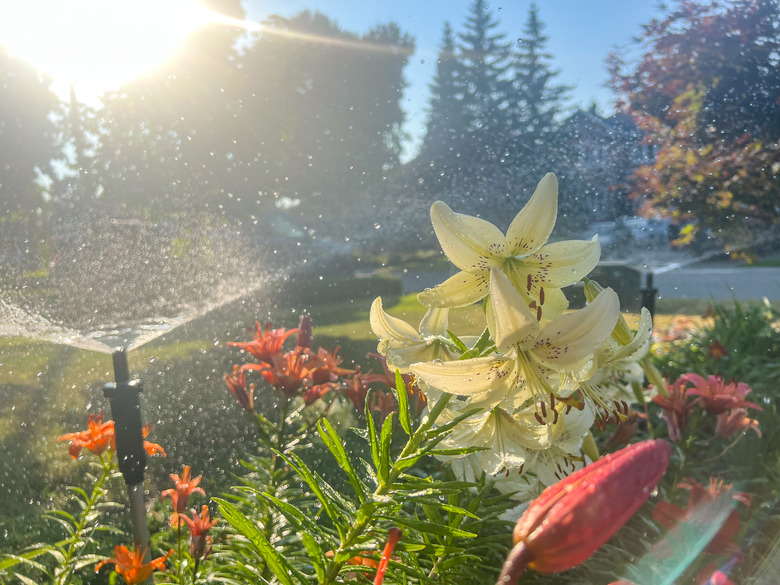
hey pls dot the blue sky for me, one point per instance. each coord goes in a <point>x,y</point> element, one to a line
<point>581,34</point>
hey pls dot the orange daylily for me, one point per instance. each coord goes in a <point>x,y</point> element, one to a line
<point>266,344</point>
<point>571,519</point>
<point>289,372</point>
<point>677,406</point>
<point>185,486</point>
<point>717,396</point>
<point>236,383</point>
<point>326,366</point>
<point>670,515</point>
<point>151,448</point>
<point>199,527</point>
<point>130,564</point>
<point>98,437</point>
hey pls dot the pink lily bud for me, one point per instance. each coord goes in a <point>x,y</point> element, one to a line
<point>304,332</point>
<point>571,519</point>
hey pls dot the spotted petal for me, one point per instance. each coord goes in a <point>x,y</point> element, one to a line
<point>467,241</point>
<point>509,320</point>
<point>389,329</point>
<point>435,322</point>
<point>533,225</point>
<point>465,288</point>
<point>572,337</point>
<point>564,263</point>
<point>466,377</point>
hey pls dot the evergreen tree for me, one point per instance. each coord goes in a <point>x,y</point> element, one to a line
<point>482,70</point>
<point>537,99</point>
<point>445,111</point>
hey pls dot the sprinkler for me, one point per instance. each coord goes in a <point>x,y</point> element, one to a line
<point>128,429</point>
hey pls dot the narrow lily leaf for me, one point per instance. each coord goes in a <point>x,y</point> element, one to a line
<point>333,442</point>
<point>384,449</point>
<point>293,514</point>
<point>448,508</point>
<point>372,435</point>
<point>435,550</point>
<point>403,403</point>
<point>87,560</point>
<point>315,554</point>
<point>461,559</point>
<point>315,483</point>
<point>484,342</point>
<point>276,562</point>
<point>25,580</point>
<point>457,452</point>
<point>458,343</point>
<point>431,528</point>
<point>453,423</point>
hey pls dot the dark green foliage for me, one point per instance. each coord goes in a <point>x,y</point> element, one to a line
<point>444,539</point>
<point>752,349</point>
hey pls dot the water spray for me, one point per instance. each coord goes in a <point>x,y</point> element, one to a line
<point>128,429</point>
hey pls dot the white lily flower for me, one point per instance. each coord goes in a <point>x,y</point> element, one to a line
<point>505,438</point>
<point>533,359</point>
<point>606,383</point>
<point>536,269</point>
<point>403,345</point>
<point>564,454</point>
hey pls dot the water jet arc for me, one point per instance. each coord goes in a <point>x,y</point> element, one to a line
<point>128,429</point>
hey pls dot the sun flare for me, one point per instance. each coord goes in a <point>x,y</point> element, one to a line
<point>97,45</point>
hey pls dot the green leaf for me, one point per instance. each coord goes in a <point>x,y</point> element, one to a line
<point>383,471</point>
<point>315,483</point>
<point>431,528</point>
<point>315,554</point>
<point>458,343</point>
<point>333,442</point>
<point>452,424</point>
<point>293,514</point>
<point>372,435</point>
<point>456,452</point>
<point>404,415</point>
<point>448,507</point>
<point>276,562</point>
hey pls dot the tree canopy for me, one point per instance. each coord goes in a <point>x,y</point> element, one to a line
<point>706,92</point>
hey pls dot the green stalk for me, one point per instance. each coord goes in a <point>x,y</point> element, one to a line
<point>75,542</point>
<point>365,514</point>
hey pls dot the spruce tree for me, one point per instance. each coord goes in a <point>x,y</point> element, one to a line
<point>538,101</point>
<point>482,73</point>
<point>445,115</point>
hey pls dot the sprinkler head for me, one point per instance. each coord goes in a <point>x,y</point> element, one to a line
<point>128,427</point>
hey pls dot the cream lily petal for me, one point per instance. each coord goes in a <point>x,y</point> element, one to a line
<point>533,225</point>
<point>387,327</point>
<point>576,425</point>
<point>640,344</point>
<point>460,290</point>
<point>563,263</point>
<point>466,377</point>
<point>552,465</point>
<point>509,320</point>
<point>402,358</point>
<point>467,241</point>
<point>572,337</point>
<point>435,322</point>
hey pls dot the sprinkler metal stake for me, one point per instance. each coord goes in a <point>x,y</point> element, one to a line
<point>128,430</point>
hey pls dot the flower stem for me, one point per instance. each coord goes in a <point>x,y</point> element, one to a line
<point>365,514</point>
<point>76,542</point>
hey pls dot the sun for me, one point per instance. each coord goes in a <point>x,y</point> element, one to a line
<point>97,45</point>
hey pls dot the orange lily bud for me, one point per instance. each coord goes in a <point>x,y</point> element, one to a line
<point>571,519</point>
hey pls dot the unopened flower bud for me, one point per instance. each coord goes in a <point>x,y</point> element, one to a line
<point>571,519</point>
